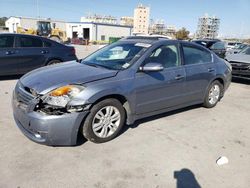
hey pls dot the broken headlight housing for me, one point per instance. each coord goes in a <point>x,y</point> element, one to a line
<point>62,95</point>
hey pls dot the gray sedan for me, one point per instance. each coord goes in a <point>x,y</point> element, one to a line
<point>240,63</point>
<point>133,78</point>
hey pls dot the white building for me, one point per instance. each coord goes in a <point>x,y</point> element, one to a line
<point>13,22</point>
<point>99,19</point>
<point>141,19</point>
<point>208,27</point>
<point>96,31</point>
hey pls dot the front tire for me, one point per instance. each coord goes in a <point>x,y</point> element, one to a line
<point>213,94</point>
<point>104,121</point>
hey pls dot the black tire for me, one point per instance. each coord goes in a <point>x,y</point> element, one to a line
<point>87,129</point>
<point>53,62</point>
<point>207,102</point>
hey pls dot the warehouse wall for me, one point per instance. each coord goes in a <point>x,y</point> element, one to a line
<point>78,27</point>
<point>106,31</point>
<point>98,32</point>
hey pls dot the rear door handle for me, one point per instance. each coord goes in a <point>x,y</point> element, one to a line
<point>179,77</point>
<point>211,69</point>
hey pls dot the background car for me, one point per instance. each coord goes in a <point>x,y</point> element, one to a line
<point>236,49</point>
<point>231,45</point>
<point>217,46</point>
<point>21,53</point>
<point>240,63</point>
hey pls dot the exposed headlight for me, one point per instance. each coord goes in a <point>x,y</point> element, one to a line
<point>62,95</point>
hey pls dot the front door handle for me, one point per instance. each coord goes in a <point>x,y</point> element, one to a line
<point>9,52</point>
<point>179,77</point>
<point>211,69</point>
<point>44,51</point>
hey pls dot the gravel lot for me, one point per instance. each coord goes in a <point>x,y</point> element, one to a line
<point>170,150</point>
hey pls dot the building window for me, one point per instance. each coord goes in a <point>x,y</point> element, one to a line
<point>102,37</point>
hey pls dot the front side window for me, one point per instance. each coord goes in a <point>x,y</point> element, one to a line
<point>116,56</point>
<point>6,41</point>
<point>30,42</point>
<point>194,55</point>
<point>166,55</point>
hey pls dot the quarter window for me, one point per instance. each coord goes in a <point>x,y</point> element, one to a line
<point>6,41</point>
<point>165,55</point>
<point>194,55</point>
<point>30,42</point>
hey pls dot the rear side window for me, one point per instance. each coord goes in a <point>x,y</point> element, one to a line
<point>6,41</point>
<point>30,42</point>
<point>194,55</point>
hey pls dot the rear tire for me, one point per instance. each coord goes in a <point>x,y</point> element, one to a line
<point>53,62</point>
<point>213,94</point>
<point>104,121</point>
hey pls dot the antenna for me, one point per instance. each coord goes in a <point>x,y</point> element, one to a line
<point>37,10</point>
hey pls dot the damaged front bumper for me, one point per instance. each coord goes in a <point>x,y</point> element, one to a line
<point>43,128</point>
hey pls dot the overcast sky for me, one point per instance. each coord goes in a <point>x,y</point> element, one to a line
<point>234,14</point>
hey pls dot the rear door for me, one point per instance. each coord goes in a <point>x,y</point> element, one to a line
<point>8,55</point>
<point>200,70</point>
<point>32,53</point>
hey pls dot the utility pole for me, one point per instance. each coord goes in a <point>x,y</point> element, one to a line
<point>37,10</point>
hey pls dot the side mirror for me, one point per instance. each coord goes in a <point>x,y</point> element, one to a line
<point>152,67</point>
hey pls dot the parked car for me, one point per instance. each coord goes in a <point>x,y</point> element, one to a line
<point>231,45</point>
<point>236,49</point>
<point>240,63</point>
<point>217,46</point>
<point>21,53</point>
<point>133,78</point>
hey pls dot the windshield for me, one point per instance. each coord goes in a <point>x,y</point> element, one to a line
<point>246,51</point>
<point>116,56</point>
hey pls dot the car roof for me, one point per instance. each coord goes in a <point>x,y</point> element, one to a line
<point>28,35</point>
<point>145,39</point>
<point>18,34</point>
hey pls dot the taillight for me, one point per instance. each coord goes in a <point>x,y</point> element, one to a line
<point>73,51</point>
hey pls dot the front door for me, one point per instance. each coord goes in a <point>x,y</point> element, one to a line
<point>163,89</point>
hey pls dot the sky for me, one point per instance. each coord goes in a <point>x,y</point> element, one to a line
<point>234,14</point>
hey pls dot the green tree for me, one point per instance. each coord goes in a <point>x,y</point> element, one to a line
<point>2,21</point>
<point>182,34</point>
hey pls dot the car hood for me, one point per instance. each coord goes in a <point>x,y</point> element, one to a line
<point>241,58</point>
<point>45,79</point>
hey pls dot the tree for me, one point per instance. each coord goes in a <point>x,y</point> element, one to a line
<point>182,34</point>
<point>2,21</point>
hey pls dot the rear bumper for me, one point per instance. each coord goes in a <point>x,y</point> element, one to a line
<point>48,129</point>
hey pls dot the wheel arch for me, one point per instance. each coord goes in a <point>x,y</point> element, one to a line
<point>53,58</point>
<point>121,98</point>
